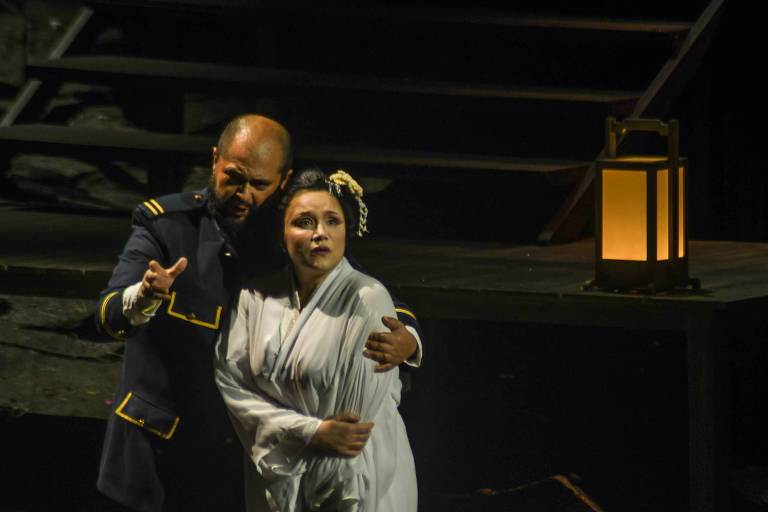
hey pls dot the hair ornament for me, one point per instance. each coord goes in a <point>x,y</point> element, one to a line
<point>341,179</point>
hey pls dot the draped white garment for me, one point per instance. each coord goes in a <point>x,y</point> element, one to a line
<point>282,370</point>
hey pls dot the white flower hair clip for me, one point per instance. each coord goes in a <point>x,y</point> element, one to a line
<point>341,179</point>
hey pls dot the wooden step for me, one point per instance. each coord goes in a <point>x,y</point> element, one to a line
<point>505,19</point>
<point>113,68</point>
<point>131,141</point>
<point>414,13</point>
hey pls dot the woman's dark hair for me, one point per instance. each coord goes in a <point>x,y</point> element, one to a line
<point>312,178</point>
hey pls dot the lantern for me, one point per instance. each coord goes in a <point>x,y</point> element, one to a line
<point>641,221</point>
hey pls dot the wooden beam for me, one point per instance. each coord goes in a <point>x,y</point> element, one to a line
<point>408,13</point>
<point>31,86</point>
<point>187,73</point>
<point>135,140</point>
<point>573,215</point>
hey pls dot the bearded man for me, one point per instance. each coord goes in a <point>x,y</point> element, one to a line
<point>169,444</point>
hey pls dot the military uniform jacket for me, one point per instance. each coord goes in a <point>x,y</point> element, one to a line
<point>168,414</point>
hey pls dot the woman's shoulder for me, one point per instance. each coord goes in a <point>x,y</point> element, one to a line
<point>368,289</point>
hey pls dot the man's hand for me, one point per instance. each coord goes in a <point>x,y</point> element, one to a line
<point>390,349</point>
<point>342,434</point>
<point>157,281</point>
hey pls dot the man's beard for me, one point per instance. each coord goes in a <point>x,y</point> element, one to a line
<point>256,238</point>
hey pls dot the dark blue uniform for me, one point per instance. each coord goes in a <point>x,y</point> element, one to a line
<point>169,444</point>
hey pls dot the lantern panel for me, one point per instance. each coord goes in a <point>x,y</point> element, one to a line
<point>662,215</point>
<point>682,235</point>
<point>624,231</point>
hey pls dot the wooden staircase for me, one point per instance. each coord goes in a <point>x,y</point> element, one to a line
<point>472,116</point>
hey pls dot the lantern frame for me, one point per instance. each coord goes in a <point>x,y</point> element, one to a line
<point>651,273</point>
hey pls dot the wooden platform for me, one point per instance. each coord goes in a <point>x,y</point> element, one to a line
<point>71,255</point>
<point>45,249</point>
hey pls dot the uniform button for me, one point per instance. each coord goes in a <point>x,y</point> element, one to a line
<point>191,316</point>
<point>121,332</point>
<point>198,197</point>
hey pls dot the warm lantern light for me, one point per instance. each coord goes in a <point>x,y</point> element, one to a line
<point>640,213</point>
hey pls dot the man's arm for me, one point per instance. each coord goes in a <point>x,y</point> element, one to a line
<point>403,341</point>
<point>391,348</point>
<point>411,323</point>
<point>130,270</point>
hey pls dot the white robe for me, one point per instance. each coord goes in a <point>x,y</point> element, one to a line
<point>281,371</point>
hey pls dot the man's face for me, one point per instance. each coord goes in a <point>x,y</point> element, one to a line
<point>245,176</point>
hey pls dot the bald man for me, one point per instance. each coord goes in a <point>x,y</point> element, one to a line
<point>169,444</point>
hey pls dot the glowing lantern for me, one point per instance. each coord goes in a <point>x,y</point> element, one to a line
<point>641,222</point>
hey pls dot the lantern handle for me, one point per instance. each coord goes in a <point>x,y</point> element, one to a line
<point>670,130</point>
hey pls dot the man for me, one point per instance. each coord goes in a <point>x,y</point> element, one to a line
<point>169,444</point>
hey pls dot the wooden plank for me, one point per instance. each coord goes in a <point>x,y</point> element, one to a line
<point>31,86</point>
<point>569,221</point>
<point>437,160</point>
<point>41,241</point>
<point>38,253</point>
<point>107,138</point>
<point>134,140</point>
<point>403,12</point>
<point>111,67</point>
<point>698,36</point>
<point>708,396</point>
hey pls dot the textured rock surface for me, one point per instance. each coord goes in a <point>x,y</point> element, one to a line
<point>50,360</point>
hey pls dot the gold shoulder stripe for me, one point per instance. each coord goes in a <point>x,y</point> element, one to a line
<point>151,208</point>
<point>157,205</point>
<point>103,316</point>
<point>406,312</point>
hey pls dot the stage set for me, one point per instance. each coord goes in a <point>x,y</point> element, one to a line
<point>590,280</point>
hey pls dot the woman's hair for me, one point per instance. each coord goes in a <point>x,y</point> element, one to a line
<point>342,187</point>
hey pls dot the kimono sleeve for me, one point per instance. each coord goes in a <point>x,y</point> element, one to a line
<point>272,435</point>
<point>361,388</point>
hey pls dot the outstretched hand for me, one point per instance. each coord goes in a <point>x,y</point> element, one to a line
<point>390,349</point>
<point>156,282</point>
<point>342,434</point>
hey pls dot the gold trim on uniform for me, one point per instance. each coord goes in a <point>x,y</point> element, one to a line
<point>117,335</point>
<point>157,205</point>
<point>191,317</point>
<point>401,310</point>
<point>151,208</point>
<point>141,422</point>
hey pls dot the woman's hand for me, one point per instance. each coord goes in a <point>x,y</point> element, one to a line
<point>342,434</point>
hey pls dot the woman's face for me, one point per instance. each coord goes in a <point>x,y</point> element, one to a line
<point>314,232</point>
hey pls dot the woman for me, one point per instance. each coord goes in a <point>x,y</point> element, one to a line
<point>290,367</point>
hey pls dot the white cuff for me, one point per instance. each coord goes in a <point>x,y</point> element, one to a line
<point>415,359</point>
<point>132,312</point>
